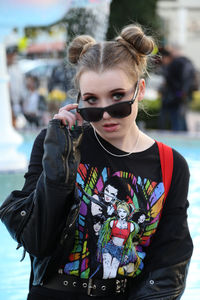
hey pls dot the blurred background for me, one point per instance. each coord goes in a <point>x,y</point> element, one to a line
<point>37,64</point>
<point>36,80</point>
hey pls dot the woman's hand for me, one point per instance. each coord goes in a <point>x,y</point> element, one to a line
<point>67,117</point>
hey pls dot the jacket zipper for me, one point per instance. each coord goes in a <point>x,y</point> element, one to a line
<point>11,204</point>
<point>68,148</point>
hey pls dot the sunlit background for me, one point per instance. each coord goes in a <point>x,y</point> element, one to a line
<point>36,80</point>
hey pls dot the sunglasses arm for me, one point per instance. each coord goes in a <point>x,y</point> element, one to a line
<point>136,90</point>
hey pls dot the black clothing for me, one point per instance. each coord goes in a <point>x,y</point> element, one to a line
<point>147,164</point>
<point>31,218</point>
<point>38,293</point>
<point>176,92</point>
<point>179,76</point>
<point>61,78</point>
<point>141,189</point>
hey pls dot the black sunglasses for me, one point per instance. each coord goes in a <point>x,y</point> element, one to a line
<point>118,110</point>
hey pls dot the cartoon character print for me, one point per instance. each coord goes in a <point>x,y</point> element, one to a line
<point>104,202</point>
<point>115,242</point>
<point>119,213</point>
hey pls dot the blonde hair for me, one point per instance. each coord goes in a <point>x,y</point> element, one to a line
<point>124,206</point>
<point>129,51</point>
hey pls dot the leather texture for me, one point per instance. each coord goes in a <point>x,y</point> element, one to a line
<point>167,283</point>
<point>90,287</point>
<point>30,219</point>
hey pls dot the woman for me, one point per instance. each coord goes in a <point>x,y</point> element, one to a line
<point>114,236</point>
<point>51,215</point>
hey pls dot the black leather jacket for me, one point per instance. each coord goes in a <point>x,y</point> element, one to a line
<point>43,215</point>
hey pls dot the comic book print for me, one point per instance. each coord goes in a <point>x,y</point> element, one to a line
<point>119,213</point>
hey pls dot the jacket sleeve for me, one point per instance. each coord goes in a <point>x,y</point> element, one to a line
<point>168,256</point>
<point>39,213</point>
<point>172,242</point>
<point>16,209</point>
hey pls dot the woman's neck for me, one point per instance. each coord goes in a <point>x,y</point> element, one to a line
<point>133,141</point>
<point>127,142</point>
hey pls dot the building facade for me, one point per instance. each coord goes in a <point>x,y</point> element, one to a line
<point>181,26</point>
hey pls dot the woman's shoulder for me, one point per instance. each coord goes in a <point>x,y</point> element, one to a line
<point>39,140</point>
<point>178,157</point>
<point>180,169</point>
<point>41,136</point>
<point>180,163</point>
<point>38,145</point>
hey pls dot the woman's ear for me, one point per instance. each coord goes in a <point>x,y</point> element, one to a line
<point>141,89</point>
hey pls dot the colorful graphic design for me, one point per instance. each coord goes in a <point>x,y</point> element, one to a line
<point>119,213</point>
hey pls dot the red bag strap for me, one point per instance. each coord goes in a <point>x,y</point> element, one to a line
<point>166,160</point>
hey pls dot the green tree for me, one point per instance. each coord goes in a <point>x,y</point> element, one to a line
<point>125,12</point>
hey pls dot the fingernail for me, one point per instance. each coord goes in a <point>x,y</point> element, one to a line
<point>72,128</point>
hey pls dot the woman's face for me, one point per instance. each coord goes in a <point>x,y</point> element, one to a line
<point>141,218</point>
<point>122,213</point>
<point>97,227</point>
<point>110,192</point>
<point>106,88</point>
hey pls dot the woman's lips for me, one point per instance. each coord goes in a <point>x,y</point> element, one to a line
<point>110,127</point>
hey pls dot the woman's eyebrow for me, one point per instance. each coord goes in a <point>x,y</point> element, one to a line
<point>118,90</point>
<point>88,94</point>
<point>111,91</point>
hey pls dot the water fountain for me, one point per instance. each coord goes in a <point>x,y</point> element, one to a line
<point>16,13</point>
<point>10,159</point>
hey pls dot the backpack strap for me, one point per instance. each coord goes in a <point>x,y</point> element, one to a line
<point>166,160</point>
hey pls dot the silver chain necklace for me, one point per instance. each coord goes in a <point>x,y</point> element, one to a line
<point>113,154</point>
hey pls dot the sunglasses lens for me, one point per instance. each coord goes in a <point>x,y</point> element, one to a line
<point>95,114</point>
<point>120,110</point>
<point>92,114</point>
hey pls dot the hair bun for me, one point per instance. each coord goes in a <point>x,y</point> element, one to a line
<point>133,36</point>
<point>78,47</point>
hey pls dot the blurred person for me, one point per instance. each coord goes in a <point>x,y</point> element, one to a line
<point>60,86</point>
<point>16,82</point>
<point>62,80</point>
<point>34,105</point>
<point>51,216</point>
<point>57,79</point>
<point>176,92</point>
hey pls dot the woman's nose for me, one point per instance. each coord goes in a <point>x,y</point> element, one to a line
<point>106,115</point>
